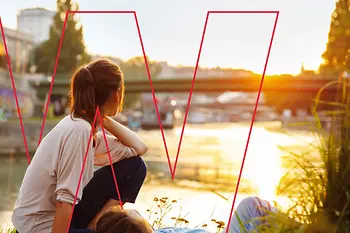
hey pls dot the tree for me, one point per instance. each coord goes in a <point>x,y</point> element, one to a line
<point>73,49</point>
<point>135,69</point>
<point>337,54</point>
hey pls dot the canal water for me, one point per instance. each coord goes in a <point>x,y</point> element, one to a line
<point>207,145</point>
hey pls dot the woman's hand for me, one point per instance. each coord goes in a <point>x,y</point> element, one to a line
<point>125,135</point>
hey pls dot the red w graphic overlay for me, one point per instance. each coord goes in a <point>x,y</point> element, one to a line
<point>172,169</point>
<point>14,91</point>
<point>194,78</point>
<point>257,98</point>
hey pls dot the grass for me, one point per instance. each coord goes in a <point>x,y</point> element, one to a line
<point>319,187</point>
<point>36,119</point>
<point>8,231</point>
<point>160,216</point>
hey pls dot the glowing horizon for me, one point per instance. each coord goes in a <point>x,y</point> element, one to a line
<point>238,42</point>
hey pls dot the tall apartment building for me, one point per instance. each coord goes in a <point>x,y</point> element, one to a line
<point>36,22</point>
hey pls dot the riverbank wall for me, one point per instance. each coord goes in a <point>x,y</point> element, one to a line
<point>11,137</point>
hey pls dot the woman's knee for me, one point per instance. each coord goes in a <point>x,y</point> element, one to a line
<point>248,213</point>
<point>136,165</point>
<point>254,205</point>
<point>142,167</point>
<point>248,203</point>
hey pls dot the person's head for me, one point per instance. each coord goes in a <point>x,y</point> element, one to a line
<point>118,220</point>
<point>98,84</point>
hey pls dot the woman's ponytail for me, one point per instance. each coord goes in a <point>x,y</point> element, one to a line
<point>83,95</point>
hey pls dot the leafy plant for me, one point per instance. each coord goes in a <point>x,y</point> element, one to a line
<point>8,231</point>
<point>320,186</point>
<point>161,208</point>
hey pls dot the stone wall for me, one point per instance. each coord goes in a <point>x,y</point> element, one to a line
<point>11,134</point>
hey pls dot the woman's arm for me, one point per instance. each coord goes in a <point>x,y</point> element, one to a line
<point>125,135</point>
<point>62,217</point>
<point>67,170</point>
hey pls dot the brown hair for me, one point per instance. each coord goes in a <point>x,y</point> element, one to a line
<point>120,222</point>
<point>92,85</point>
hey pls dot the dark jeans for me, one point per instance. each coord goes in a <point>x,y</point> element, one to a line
<point>130,174</point>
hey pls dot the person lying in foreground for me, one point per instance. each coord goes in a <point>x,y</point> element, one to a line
<point>245,219</point>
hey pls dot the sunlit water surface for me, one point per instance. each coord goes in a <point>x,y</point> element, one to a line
<point>211,144</point>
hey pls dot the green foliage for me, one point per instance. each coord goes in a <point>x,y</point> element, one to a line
<point>337,55</point>
<point>8,231</point>
<point>336,159</point>
<point>336,60</point>
<point>73,49</point>
<point>281,223</point>
<point>135,69</point>
<point>318,183</point>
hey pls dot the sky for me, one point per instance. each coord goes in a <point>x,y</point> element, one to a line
<point>172,31</point>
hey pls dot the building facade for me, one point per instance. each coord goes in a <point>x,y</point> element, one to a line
<point>169,72</point>
<point>19,46</point>
<point>36,22</point>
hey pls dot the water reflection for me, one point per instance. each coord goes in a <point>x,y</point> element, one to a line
<point>212,145</point>
<point>12,169</point>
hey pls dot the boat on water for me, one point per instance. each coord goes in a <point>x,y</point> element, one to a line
<point>169,115</point>
<point>150,120</point>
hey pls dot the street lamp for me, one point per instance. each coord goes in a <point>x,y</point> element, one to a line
<point>32,69</point>
<point>78,57</point>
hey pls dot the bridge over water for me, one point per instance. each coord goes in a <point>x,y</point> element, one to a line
<point>206,85</point>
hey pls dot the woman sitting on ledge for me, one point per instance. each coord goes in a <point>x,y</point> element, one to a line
<point>46,196</point>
